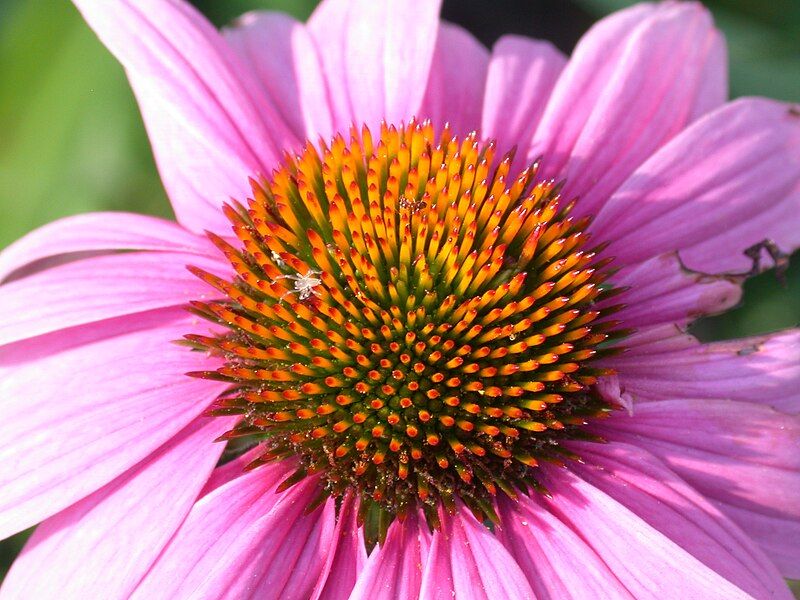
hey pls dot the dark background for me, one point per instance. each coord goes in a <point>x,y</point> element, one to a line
<point>72,140</point>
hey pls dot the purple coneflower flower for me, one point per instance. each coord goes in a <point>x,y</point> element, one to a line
<point>453,363</point>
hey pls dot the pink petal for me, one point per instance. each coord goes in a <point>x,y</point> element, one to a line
<point>634,81</point>
<point>394,570</point>
<point>282,55</point>
<point>776,536</point>
<point>347,553</point>
<point>346,556</point>
<point>654,531</point>
<point>456,82</point>
<point>98,232</point>
<point>572,100</point>
<point>468,562</point>
<point>121,527</point>
<point>209,122</point>
<point>547,551</point>
<point>99,288</point>
<point>764,369</point>
<point>662,290</point>
<point>728,182</point>
<point>82,407</point>
<point>376,57</point>
<point>522,73</point>
<point>659,338</point>
<point>741,455</point>
<point>244,540</point>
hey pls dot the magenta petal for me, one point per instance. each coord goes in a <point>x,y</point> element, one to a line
<point>468,562</point>
<point>776,536</point>
<point>394,570</point>
<point>656,532</point>
<point>662,290</point>
<point>98,232</point>
<point>729,181</point>
<point>376,57</point>
<point>586,75</point>
<point>741,455</point>
<point>244,540</point>
<point>78,412</point>
<point>347,555</point>
<point>522,73</point>
<point>763,369</point>
<point>209,122</point>
<point>456,82</point>
<point>103,545</point>
<point>634,81</point>
<point>282,55</point>
<point>554,558</point>
<point>99,288</point>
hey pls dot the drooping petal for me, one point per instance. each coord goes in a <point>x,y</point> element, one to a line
<point>763,369</point>
<point>729,181</point>
<point>654,531</point>
<point>99,288</point>
<point>522,73</point>
<point>122,527</point>
<point>244,540</point>
<point>741,455</point>
<point>467,561</point>
<point>376,57</point>
<point>210,124</point>
<point>554,558</point>
<point>99,232</point>
<point>282,55</point>
<point>81,407</point>
<point>457,79</point>
<point>346,556</point>
<point>662,290</point>
<point>634,81</point>
<point>394,570</point>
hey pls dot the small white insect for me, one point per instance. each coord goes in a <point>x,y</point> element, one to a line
<point>304,285</point>
<point>278,260</point>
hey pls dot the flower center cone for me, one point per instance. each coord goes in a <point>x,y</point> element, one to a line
<point>409,322</point>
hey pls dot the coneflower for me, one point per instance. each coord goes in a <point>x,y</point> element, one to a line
<point>435,343</point>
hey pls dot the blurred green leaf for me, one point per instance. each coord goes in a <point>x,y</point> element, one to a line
<point>222,13</point>
<point>768,305</point>
<point>73,140</point>
<point>780,15</point>
<point>764,61</point>
<point>10,548</point>
<point>605,7</point>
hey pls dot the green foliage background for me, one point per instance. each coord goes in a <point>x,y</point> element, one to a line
<point>72,141</point>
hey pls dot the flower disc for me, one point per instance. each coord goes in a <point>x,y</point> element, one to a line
<point>409,322</point>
